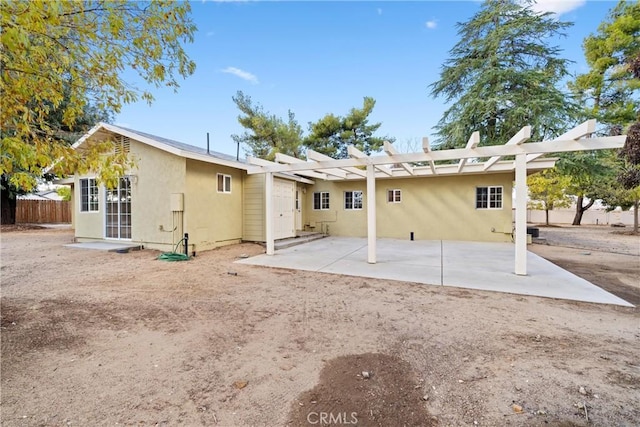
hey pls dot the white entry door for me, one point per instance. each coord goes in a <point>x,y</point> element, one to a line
<point>283,209</point>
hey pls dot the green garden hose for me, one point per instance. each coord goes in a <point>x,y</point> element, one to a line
<point>173,256</point>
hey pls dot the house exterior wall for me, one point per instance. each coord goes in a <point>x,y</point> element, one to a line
<point>88,225</point>
<point>440,208</point>
<point>158,174</point>
<point>254,208</point>
<point>74,205</point>
<point>212,218</point>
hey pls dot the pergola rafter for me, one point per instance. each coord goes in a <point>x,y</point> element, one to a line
<point>319,157</point>
<point>522,136</point>
<point>427,148</point>
<point>473,142</point>
<point>359,166</point>
<point>391,151</point>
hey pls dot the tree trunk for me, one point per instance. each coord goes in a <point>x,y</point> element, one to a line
<point>8,212</point>
<point>581,209</point>
<point>546,212</point>
<point>636,204</point>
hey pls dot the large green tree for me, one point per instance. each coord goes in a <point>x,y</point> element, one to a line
<point>547,191</point>
<point>609,92</point>
<point>504,73</point>
<point>629,176</point>
<point>63,56</point>
<point>266,134</point>
<point>60,133</point>
<point>331,135</point>
<point>591,176</point>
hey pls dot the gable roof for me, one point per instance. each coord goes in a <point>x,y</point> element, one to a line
<point>103,130</point>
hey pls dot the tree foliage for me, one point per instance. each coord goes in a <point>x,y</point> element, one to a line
<point>62,56</point>
<point>266,134</point>
<point>502,75</point>
<point>629,176</point>
<point>331,135</point>
<point>547,191</point>
<point>609,90</point>
<point>60,134</point>
<point>65,193</point>
<point>591,176</point>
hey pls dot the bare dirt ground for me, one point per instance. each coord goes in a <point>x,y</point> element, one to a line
<point>95,338</point>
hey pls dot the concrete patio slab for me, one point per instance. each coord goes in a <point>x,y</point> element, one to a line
<point>472,265</point>
<point>105,246</point>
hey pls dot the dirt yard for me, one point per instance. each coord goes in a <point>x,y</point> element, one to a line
<point>95,338</point>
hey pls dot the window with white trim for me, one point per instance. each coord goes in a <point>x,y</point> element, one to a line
<point>353,200</point>
<point>320,200</point>
<point>224,183</point>
<point>488,197</point>
<point>88,195</point>
<point>394,196</point>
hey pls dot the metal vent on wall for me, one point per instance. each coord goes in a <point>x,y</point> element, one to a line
<point>122,145</point>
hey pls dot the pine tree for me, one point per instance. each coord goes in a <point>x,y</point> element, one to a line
<point>502,75</point>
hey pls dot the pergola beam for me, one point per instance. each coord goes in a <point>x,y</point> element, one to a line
<point>283,158</point>
<point>356,154</point>
<point>473,142</point>
<point>523,135</point>
<point>391,151</point>
<point>598,143</point>
<point>319,157</point>
<point>427,148</point>
<point>583,129</point>
<point>266,163</point>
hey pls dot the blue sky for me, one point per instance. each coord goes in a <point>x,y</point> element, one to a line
<point>322,57</point>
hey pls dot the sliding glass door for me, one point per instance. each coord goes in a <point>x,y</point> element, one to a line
<point>118,211</point>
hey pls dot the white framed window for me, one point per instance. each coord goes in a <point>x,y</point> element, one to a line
<point>394,196</point>
<point>320,200</point>
<point>353,200</point>
<point>489,197</point>
<point>89,195</point>
<point>224,183</point>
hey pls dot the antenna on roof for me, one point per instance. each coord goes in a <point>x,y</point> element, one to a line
<point>238,151</point>
<point>208,143</point>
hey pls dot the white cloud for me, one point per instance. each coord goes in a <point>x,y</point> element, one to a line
<point>244,75</point>
<point>557,6</point>
<point>210,33</point>
<point>431,24</point>
<point>379,11</point>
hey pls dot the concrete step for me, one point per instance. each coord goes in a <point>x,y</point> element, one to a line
<point>305,237</point>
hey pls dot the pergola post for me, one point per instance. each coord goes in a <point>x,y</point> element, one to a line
<point>371,214</point>
<point>521,215</point>
<point>268,220</point>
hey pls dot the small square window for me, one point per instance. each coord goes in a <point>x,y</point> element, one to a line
<point>353,200</point>
<point>394,196</point>
<point>320,200</point>
<point>488,197</point>
<point>224,183</point>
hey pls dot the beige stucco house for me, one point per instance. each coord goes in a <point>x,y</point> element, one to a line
<point>176,188</point>
<point>458,194</point>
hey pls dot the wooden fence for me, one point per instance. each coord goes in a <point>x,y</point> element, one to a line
<point>43,212</point>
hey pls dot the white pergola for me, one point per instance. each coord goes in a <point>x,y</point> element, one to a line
<point>393,164</point>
